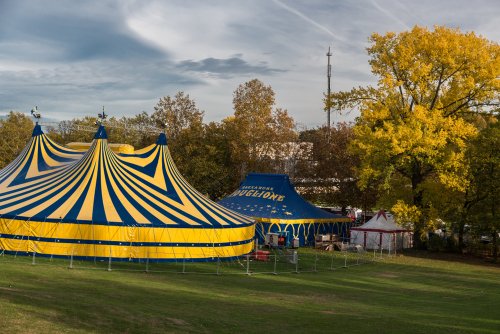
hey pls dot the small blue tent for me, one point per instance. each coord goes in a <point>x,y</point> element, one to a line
<point>275,204</point>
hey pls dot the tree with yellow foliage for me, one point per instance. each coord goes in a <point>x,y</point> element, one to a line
<point>415,124</point>
<point>259,133</point>
<point>15,132</point>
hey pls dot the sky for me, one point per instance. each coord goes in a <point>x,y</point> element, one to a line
<point>70,58</point>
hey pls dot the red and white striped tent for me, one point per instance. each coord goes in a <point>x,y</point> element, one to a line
<point>381,232</point>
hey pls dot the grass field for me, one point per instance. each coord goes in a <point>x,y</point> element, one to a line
<point>403,294</point>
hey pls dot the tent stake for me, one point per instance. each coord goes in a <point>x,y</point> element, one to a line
<point>109,261</point>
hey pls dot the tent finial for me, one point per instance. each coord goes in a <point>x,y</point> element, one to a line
<point>101,117</point>
<point>35,113</point>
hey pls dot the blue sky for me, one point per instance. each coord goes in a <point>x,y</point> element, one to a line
<point>72,57</point>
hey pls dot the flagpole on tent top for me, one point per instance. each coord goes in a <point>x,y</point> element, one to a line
<point>35,113</point>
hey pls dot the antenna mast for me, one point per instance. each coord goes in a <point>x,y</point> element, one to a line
<point>329,75</point>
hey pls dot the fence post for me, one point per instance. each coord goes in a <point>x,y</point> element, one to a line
<point>184,264</point>
<point>34,261</point>
<point>345,259</point>
<point>147,264</point>
<point>275,263</point>
<point>248,264</point>
<point>297,263</point>
<point>331,263</point>
<point>71,261</point>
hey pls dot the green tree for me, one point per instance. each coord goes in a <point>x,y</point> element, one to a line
<point>15,132</point>
<point>484,193</point>
<point>259,134</point>
<point>195,146</point>
<point>329,177</point>
<point>176,114</point>
<point>416,123</point>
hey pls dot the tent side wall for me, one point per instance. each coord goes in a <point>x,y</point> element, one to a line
<point>124,242</point>
<point>305,232</point>
<point>97,204</point>
<point>386,240</point>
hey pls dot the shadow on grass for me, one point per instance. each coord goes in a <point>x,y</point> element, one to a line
<point>383,297</point>
<point>451,257</point>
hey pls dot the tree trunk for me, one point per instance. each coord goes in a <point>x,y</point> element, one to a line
<point>418,201</point>
<point>461,231</point>
<point>494,241</point>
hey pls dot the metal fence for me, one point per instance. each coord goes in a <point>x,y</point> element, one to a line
<point>272,261</point>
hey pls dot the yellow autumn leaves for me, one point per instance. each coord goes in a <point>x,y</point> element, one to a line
<point>415,125</point>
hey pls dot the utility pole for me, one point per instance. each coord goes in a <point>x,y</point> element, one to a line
<point>329,75</point>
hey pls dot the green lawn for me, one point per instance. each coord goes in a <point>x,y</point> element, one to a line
<point>404,294</point>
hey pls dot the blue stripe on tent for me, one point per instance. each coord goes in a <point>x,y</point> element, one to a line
<point>98,214</point>
<point>60,149</point>
<point>128,259</point>
<point>120,208</point>
<point>293,206</point>
<point>186,189</point>
<point>148,215</point>
<point>89,222</point>
<point>75,209</point>
<point>61,176</point>
<point>126,243</point>
<point>21,176</point>
<point>126,177</point>
<point>208,205</point>
<point>12,167</point>
<point>47,211</point>
<point>169,192</point>
<point>41,163</point>
<point>68,169</point>
<point>49,148</point>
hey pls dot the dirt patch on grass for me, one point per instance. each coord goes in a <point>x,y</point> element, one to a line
<point>178,322</point>
<point>387,275</point>
<point>328,312</point>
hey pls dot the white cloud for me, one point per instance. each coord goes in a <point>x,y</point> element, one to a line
<point>72,59</point>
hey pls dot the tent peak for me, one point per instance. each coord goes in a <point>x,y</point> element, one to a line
<point>37,130</point>
<point>381,213</point>
<point>162,139</point>
<point>101,133</point>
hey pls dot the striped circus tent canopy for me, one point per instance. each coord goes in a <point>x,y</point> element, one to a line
<point>99,204</point>
<point>277,207</point>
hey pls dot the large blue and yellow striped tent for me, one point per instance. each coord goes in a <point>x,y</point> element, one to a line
<point>98,204</point>
<point>275,204</point>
